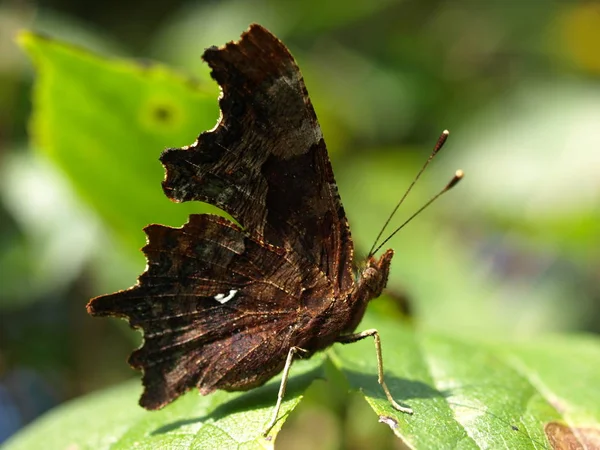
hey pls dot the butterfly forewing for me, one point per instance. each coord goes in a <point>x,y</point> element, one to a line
<point>266,163</point>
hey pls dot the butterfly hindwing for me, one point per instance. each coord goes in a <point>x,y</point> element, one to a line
<point>210,302</point>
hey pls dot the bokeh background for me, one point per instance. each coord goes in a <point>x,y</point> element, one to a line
<point>512,253</point>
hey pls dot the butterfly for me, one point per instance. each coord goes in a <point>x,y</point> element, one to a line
<point>226,305</point>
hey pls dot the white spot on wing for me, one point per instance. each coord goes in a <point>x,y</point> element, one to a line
<point>222,298</point>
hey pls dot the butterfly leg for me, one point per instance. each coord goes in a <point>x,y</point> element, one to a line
<point>282,386</point>
<point>375,334</point>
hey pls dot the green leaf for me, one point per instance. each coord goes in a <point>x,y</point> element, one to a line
<point>469,394</point>
<point>464,394</point>
<point>112,418</point>
<point>105,122</point>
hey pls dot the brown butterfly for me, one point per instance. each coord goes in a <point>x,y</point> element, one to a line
<point>224,306</point>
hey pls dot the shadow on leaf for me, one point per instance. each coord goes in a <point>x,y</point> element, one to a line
<point>401,388</point>
<point>256,398</point>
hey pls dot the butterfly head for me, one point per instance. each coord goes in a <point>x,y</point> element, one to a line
<point>374,277</point>
<point>371,281</point>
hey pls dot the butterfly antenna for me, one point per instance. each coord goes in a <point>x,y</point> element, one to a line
<point>438,146</point>
<point>453,182</point>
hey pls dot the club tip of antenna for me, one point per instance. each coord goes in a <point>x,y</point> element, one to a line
<point>458,175</point>
<point>440,142</point>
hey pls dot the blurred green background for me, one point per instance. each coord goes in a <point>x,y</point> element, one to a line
<point>513,252</point>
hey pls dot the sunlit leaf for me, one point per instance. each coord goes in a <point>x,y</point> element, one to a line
<point>464,395</point>
<point>112,418</point>
<point>105,122</point>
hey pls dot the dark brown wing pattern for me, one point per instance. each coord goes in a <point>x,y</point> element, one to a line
<point>218,308</point>
<point>227,307</point>
<point>221,306</point>
<point>265,162</point>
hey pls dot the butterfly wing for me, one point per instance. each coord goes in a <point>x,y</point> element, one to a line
<point>265,162</point>
<point>219,309</point>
